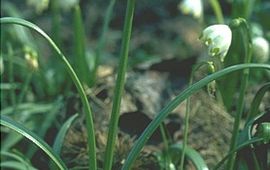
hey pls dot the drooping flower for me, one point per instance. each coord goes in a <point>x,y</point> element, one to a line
<point>218,39</point>
<point>260,49</point>
<point>193,7</point>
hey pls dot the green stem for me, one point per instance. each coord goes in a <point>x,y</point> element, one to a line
<point>25,87</point>
<point>56,22</point>
<point>239,113</point>
<point>154,124</point>
<point>243,86</point>
<point>187,113</point>
<point>79,47</point>
<point>249,8</point>
<point>166,146</point>
<point>11,74</point>
<point>101,42</point>
<point>119,85</point>
<point>87,109</point>
<point>164,136</point>
<point>217,10</point>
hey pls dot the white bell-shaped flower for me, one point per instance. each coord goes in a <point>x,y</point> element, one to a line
<point>218,39</point>
<point>260,49</point>
<point>193,7</point>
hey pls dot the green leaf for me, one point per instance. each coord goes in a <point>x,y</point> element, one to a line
<point>79,49</point>
<point>6,121</point>
<point>119,87</point>
<point>58,142</point>
<point>10,140</point>
<point>20,34</point>
<point>31,108</point>
<point>14,165</point>
<point>237,149</point>
<point>25,164</point>
<point>248,156</point>
<point>101,42</point>
<point>254,108</point>
<point>88,113</point>
<point>191,154</point>
<point>155,123</point>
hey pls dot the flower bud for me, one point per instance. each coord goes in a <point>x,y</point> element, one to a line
<point>193,7</point>
<point>31,58</point>
<point>260,49</point>
<point>211,88</point>
<point>211,67</point>
<point>218,40</point>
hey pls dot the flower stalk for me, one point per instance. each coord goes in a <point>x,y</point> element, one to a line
<point>119,85</point>
<point>245,33</point>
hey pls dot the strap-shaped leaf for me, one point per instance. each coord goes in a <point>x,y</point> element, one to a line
<point>19,128</point>
<point>254,108</point>
<point>58,142</point>
<point>88,113</point>
<point>191,154</point>
<point>176,101</point>
<point>239,147</point>
<point>17,159</point>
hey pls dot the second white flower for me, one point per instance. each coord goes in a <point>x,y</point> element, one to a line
<point>218,40</point>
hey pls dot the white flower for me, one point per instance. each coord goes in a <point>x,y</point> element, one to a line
<point>218,39</point>
<point>260,49</point>
<point>193,7</point>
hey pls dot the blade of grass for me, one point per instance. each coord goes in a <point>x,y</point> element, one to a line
<point>254,108</point>
<point>10,140</point>
<point>246,135</point>
<point>14,165</point>
<point>9,86</point>
<point>247,44</point>
<point>217,10</point>
<point>59,140</point>
<point>6,121</point>
<point>47,122</point>
<point>11,73</point>
<point>56,22</point>
<point>118,91</point>
<point>191,154</point>
<point>101,42</point>
<point>186,120</point>
<point>22,35</point>
<point>32,108</point>
<point>79,49</point>
<point>29,110</point>
<point>175,102</point>
<point>246,132</point>
<point>247,143</point>
<point>25,164</point>
<point>87,109</point>
<point>24,88</point>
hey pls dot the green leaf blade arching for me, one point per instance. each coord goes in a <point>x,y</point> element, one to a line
<point>191,154</point>
<point>6,121</point>
<point>87,109</point>
<point>155,123</point>
<point>58,142</point>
